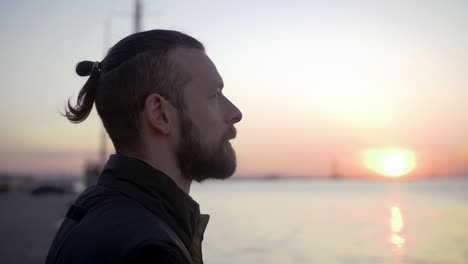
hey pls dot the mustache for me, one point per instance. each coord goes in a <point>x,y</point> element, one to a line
<point>231,133</point>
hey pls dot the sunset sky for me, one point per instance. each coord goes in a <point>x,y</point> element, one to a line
<point>355,85</point>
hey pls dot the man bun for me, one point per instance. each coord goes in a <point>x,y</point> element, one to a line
<point>86,68</point>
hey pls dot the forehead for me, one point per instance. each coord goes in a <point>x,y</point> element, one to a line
<point>201,71</point>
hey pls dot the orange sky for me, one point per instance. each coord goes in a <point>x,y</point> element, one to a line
<point>318,83</point>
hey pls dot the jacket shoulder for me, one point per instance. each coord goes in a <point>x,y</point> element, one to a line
<point>113,229</point>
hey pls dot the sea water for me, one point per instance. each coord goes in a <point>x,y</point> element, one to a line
<point>288,221</point>
<point>335,221</point>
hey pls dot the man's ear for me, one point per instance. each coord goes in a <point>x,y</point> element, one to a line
<point>156,113</point>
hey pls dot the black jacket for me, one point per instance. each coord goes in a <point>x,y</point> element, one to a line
<point>135,214</point>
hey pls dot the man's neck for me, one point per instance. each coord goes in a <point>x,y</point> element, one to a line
<point>163,164</point>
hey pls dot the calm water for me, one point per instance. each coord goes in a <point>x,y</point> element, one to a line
<point>314,221</point>
<point>321,221</point>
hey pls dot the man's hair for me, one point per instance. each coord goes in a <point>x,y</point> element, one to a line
<point>134,68</point>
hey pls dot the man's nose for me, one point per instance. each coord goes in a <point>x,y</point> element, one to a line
<point>234,115</point>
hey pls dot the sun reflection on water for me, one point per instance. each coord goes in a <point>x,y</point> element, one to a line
<point>397,237</point>
<point>396,224</point>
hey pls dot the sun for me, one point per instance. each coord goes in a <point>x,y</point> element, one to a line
<point>391,162</point>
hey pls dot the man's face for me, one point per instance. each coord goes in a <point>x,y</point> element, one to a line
<point>206,122</point>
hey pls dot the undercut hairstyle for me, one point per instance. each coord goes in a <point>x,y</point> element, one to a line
<point>134,68</point>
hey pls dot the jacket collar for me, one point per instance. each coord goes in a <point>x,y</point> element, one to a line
<point>156,191</point>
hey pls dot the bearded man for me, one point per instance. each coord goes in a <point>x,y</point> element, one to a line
<point>160,100</point>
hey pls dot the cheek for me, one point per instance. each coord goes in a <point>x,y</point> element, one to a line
<point>208,117</point>
<point>211,133</point>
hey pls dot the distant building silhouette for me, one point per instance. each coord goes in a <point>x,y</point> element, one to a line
<point>335,170</point>
<point>92,171</point>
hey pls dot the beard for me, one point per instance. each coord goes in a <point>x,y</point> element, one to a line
<point>199,161</point>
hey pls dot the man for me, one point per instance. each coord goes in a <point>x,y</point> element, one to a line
<point>160,99</point>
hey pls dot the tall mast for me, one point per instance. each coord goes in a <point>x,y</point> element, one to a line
<point>93,169</point>
<point>107,37</point>
<point>103,138</point>
<point>138,16</point>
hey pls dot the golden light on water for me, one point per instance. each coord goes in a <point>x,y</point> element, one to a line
<point>396,224</point>
<point>393,162</point>
<point>397,240</point>
<point>396,219</point>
